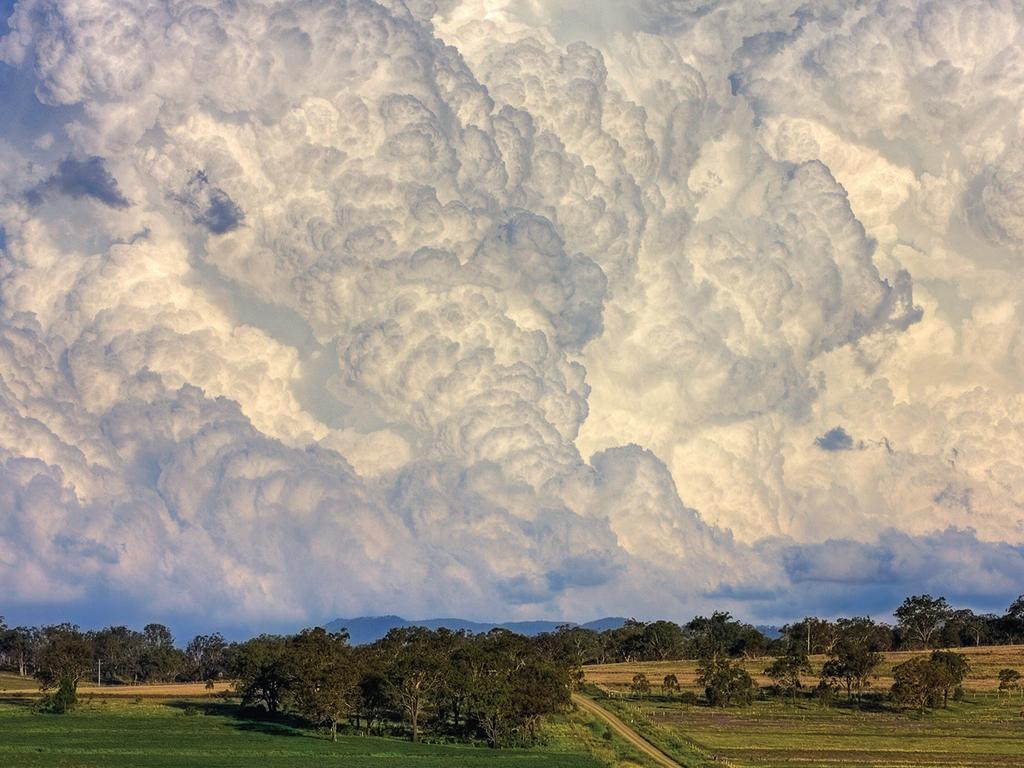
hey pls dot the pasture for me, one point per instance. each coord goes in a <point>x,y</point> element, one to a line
<point>12,686</point>
<point>985,729</point>
<point>985,665</point>
<point>120,732</point>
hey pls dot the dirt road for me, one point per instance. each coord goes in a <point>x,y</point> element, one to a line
<point>623,730</point>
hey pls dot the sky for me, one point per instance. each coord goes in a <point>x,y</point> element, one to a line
<point>509,309</point>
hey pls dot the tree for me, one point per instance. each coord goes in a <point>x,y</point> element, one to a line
<point>916,683</point>
<point>1016,609</point>
<point>324,683</point>
<point>725,682</point>
<point>1009,681</point>
<point>626,643</point>
<point>855,654</point>
<point>414,670</point>
<point>641,686</point>
<point>950,670</point>
<point>661,640</point>
<point>207,656</point>
<point>17,646</point>
<point>1014,619</point>
<point>670,684</point>
<point>965,627</point>
<point>119,649</point>
<point>263,671</point>
<point>812,634</point>
<point>512,684</point>
<point>493,705</point>
<point>374,699</point>
<point>541,686</point>
<point>785,671</point>
<point>721,634</point>
<point>63,659</point>
<point>159,659</point>
<point>921,617</point>
<point>576,645</point>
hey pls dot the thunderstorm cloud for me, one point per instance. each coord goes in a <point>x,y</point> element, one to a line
<point>510,309</point>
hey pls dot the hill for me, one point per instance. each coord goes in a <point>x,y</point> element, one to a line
<point>366,629</point>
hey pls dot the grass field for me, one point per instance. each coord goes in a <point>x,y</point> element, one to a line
<point>987,731</point>
<point>985,665</point>
<point>983,730</point>
<point>139,726</point>
<point>147,733</point>
<point>13,686</point>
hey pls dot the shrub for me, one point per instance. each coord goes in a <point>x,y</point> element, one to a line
<point>62,700</point>
<point>641,686</point>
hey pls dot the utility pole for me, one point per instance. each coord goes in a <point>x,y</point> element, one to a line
<point>808,620</point>
<point>99,668</point>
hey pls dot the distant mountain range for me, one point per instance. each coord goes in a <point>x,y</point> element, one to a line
<point>366,629</point>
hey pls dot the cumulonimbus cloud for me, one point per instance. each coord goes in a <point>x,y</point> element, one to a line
<point>317,308</point>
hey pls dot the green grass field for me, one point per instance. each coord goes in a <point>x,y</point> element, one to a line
<point>981,731</point>
<point>154,734</point>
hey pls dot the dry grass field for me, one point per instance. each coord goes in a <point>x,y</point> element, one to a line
<point>985,729</point>
<point>985,665</point>
<point>12,686</point>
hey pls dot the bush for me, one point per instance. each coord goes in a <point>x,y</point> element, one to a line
<point>725,682</point>
<point>62,700</point>
<point>689,697</point>
<point>824,693</point>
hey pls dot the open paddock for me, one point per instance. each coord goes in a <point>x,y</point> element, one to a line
<point>985,664</point>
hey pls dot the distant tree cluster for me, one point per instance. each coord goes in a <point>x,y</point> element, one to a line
<point>927,681</point>
<point>660,641</point>
<point>922,622</point>
<point>496,687</point>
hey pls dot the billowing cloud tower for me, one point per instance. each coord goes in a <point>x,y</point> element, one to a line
<point>317,307</point>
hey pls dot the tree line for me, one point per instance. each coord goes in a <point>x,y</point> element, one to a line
<point>496,687</point>
<point>922,622</point>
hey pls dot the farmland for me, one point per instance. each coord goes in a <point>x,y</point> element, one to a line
<point>984,729</point>
<point>985,665</point>
<point>118,732</point>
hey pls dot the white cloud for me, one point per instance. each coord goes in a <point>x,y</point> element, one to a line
<point>316,308</point>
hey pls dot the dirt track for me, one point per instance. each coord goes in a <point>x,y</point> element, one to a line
<point>625,731</point>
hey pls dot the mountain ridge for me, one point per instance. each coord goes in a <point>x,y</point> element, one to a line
<point>367,629</point>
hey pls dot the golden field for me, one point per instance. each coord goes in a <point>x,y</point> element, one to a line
<point>985,661</point>
<point>14,686</point>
